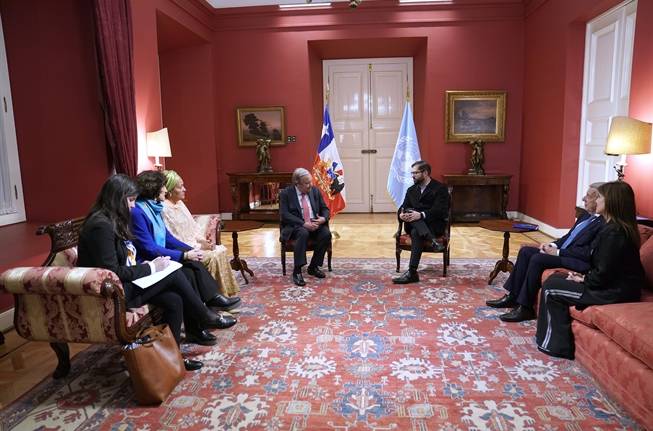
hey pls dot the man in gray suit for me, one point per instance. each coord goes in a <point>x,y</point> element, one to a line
<point>304,215</point>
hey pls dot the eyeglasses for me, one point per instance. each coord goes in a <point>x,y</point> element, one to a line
<point>416,172</point>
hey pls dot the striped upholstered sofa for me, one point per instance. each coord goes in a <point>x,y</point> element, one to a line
<point>60,303</point>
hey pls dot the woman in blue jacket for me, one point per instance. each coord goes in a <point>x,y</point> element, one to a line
<point>152,240</point>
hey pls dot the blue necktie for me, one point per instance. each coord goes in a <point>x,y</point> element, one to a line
<point>578,229</point>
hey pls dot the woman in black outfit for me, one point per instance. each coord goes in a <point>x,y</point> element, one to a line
<point>615,275</point>
<point>105,242</point>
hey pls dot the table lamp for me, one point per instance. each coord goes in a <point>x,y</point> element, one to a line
<point>627,136</point>
<point>158,145</point>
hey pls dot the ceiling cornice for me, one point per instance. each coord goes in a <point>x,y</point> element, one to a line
<point>371,13</point>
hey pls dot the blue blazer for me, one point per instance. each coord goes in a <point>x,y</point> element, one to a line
<point>146,248</point>
<point>581,247</point>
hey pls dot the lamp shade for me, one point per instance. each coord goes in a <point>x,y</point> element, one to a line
<point>158,144</point>
<point>628,136</point>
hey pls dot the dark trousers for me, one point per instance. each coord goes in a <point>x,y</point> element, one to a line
<point>524,281</point>
<point>419,232</point>
<point>175,296</point>
<point>554,335</point>
<point>204,286</point>
<point>321,238</point>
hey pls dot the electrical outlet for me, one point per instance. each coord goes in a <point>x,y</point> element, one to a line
<point>290,139</point>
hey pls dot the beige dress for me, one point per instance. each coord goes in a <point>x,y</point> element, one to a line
<point>182,226</point>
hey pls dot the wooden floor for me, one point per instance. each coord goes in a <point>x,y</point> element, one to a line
<point>23,364</point>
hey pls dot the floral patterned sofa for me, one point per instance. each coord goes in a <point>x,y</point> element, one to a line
<point>60,303</point>
<point>615,342</point>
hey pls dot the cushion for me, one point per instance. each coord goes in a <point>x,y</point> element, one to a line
<point>646,255</point>
<point>584,316</point>
<point>67,257</point>
<point>629,325</point>
<point>405,241</point>
<point>645,232</point>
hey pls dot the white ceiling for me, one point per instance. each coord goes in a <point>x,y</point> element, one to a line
<point>243,3</point>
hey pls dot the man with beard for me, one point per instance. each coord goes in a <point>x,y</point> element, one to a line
<point>424,214</point>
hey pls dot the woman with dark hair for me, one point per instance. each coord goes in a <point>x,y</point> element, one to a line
<point>105,242</point>
<point>615,275</point>
<point>152,239</point>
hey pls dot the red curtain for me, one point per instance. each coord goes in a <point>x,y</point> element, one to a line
<point>113,30</point>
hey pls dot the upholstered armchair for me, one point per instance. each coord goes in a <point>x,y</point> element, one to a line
<point>403,241</point>
<point>289,247</point>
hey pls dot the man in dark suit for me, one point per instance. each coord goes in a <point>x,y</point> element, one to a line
<point>304,215</point>
<point>424,214</point>
<point>572,251</point>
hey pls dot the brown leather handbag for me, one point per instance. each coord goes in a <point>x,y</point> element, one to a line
<point>155,364</point>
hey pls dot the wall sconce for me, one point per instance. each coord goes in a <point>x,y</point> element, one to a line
<point>627,136</point>
<point>158,145</point>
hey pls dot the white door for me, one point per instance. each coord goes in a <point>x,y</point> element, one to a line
<point>606,89</point>
<point>12,207</point>
<point>366,102</point>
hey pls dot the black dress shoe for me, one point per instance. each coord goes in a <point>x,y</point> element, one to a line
<point>203,338</point>
<point>437,247</point>
<point>519,314</point>
<point>506,301</point>
<point>406,277</point>
<point>223,303</point>
<point>298,279</point>
<point>192,365</point>
<point>315,272</point>
<point>218,321</point>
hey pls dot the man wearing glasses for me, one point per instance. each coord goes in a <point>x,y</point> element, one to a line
<point>423,212</point>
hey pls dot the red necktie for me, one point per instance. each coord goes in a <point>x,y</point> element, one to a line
<point>305,209</point>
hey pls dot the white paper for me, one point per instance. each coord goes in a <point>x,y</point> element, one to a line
<point>145,282</point>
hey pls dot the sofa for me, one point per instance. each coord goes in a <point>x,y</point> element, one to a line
<point>60,303</point>
<point>615,342</point>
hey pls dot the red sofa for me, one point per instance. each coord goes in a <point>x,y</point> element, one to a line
<point>615,343</point>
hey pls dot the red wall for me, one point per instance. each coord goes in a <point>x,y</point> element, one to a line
<point>553,77</point>
<point>55,91</point>
<point>274,58</point>
<point>639,172</point>
<point>187,100</point>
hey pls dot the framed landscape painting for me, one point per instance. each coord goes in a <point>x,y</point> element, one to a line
<point>255,123</point>
<point>475,115</point>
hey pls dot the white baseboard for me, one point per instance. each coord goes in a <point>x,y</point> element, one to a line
<point>6,320</point>
<point>226,216</point>
<point>546,228</point>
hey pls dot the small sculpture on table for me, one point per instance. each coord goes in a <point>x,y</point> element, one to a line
<point>263,155</point>
<point>477,159</point>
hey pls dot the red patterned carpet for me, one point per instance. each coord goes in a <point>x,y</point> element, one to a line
<point>351,352</point>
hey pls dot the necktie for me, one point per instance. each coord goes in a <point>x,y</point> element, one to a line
<point>578,229</point>
<point>305,209</point>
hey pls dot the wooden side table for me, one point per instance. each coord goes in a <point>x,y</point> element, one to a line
<point>235,226</point>
<point>505,226</point>
<point>478,197</point>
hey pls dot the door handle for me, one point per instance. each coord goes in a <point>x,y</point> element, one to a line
<point>372,151</point>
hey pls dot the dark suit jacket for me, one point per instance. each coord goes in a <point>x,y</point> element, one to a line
<point>100,247</point>
<point>434,203</point>
<point>291,213</point>
<point>616,271</point>
<point>581,247</point>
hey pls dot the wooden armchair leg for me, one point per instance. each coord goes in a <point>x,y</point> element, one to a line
<point>329,253</point>
<point>397,255</point>
<point>283,259</point>
<point>63,355</point>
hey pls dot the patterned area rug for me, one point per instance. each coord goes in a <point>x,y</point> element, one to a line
<point>350,352</point>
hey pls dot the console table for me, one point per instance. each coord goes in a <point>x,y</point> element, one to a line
<point>478,197</point>
<point>256,196</point>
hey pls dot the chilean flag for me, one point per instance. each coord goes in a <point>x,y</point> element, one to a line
<point>328,173</point>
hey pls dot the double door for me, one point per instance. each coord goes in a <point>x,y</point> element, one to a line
<point>366,101</point>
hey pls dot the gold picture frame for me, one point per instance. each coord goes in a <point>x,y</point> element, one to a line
<point>264,122</point>
<point>475,115</point>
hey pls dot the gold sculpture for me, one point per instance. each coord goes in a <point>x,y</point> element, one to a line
<point>263,155</point>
